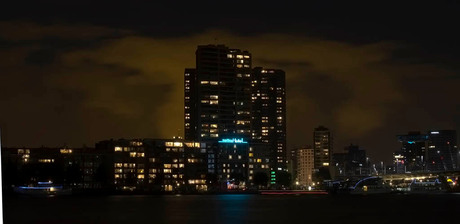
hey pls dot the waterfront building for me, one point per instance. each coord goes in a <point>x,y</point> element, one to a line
<point>269,114</point>
<point>217,100</point>
<point>323,147</point>
<point>156,164</point>
<point>434,151</point>
<point>442,150</point>
<point>353,162</point>
<point>398,161</point>
<point>72,167</point>
<point>305,166</point>
<point>413,149</point>
<point>226,99</point>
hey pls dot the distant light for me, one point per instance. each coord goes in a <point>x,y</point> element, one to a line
<point>411,142</point>
<point>232,140</point>
<point>435,132</point>
<point>48,182</point>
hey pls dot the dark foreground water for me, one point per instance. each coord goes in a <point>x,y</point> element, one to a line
<point>235,209</point>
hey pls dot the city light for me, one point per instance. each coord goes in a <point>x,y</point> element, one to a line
<point>233,140</point>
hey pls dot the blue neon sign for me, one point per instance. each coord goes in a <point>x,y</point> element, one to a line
<point>411,142</point>
<point>232,140</point>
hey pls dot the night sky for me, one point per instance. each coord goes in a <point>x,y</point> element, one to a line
<point>77,73</point>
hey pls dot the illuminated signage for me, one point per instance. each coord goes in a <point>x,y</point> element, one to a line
<point>411,142</point>
<point>232,140</point>
<point>435,132</point>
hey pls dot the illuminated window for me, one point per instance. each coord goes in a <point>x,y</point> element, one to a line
<point>167,165</point>
<point>118,149</point>
<point>166,170</point>
<point>66,151</point>
<point>46,160</point>
<point>204,82</point>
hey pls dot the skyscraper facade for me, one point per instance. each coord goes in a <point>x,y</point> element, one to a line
<point>218,94</point>
<point>323,147</point>
<point>268,121</point>
<point>226,99</point>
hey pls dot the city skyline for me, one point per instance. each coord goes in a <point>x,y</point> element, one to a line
<point>69,79</point>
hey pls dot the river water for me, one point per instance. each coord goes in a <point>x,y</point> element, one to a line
<point>235,209</point>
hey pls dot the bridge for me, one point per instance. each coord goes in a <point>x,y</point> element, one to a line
<point>420,175</point>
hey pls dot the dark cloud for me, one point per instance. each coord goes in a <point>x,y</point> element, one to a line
<point>40,57</point>
<point>128,84</point>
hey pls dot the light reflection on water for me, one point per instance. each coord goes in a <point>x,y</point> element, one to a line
<point>231,209</point>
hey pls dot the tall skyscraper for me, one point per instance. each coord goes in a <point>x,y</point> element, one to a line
<point>218,94</point>
<point>225,99</point>
<point>269,113</point>
<point>323,147</point>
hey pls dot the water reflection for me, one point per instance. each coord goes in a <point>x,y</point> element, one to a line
<point>230,209</point>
